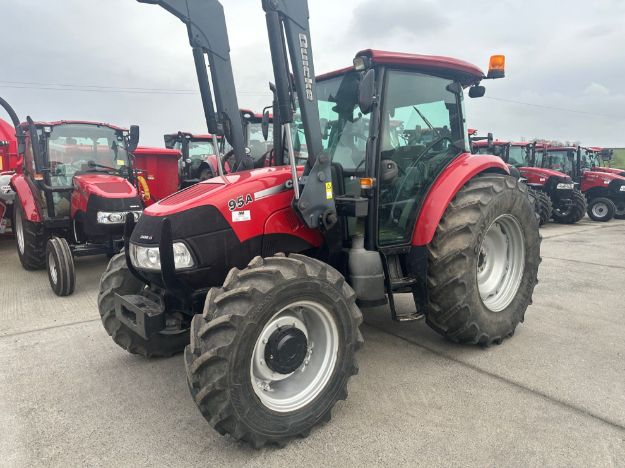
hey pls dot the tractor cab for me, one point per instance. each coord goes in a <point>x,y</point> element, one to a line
<point>199,161</point>
<point>597,159</point>
<point>258,138</point>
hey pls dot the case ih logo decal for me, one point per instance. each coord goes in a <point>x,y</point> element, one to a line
<point>303,45</point>
<point>239,202</point>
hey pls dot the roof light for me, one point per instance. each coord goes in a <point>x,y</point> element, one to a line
<point>497,66</point>
<point>359,64</point>
<point>367,183</point>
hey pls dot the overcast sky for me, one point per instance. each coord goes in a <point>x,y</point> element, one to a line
<point>567,57</point>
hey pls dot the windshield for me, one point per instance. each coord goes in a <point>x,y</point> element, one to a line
<point>256,141</point>
<point>344,130</point>
<point>197,149</point>
<point>83,147</point>
<point>561,161</point>
<point>590,159</point>
<point>517,156</point>
<point>496,150</point>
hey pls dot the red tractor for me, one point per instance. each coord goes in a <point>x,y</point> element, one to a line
<point>604,191</point>
<point>595,159</point>
<point>8,164</point>
<point>555,193</point>
<point>73,189</point>
<point>262,274</point>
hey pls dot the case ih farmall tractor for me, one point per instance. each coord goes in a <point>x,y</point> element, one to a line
<point>605,191</point>
<point>73,192</point>
<point>262,274</point>
<point>518,157</point>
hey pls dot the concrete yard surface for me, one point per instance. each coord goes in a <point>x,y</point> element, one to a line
<point>554,394</point>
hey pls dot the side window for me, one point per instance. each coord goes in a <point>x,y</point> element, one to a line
<point>29,160</point>
<point>421,123</point>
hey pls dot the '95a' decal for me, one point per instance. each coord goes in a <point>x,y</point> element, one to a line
<point>240,202</point>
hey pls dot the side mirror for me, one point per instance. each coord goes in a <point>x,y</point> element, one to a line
<point>133,138</point>
<point>477,91</point>
<point>366,92</point>
<point>490,140</point>
<point>264,126</point>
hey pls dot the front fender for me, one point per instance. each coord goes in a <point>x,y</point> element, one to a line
<point>24,192</point>
<point>449,182</point>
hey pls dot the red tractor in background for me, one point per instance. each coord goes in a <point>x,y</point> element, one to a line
<point>595,159</point>
<point>8,163</point>
<point>604,191</point>
<point>556,196</point>
<point>261,274</point>
<point>74,186</point>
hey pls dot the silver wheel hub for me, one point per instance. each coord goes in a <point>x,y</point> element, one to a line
<point>19,230</point>
<point>309,355</point>
<point>501,262</point>
<point>600,210</point>
<point>52,268</point>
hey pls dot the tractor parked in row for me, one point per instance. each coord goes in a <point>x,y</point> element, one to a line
<point>8,163</point>
<point>604,191</point>
<point>74,187</point>
<point>556,196</point>
<point>261,275</point>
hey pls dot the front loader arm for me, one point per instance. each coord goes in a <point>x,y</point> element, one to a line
<point>208,35</point>
<point>288,30</point>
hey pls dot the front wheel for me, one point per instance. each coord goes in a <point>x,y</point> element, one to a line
<point>117,279</point>
<point>573,211</point>
<point>543,205</point>
<point>483,262</point>
<point>601,209</point>
<point>274,349</point>
<point>60,265</point>
<point>620,210</point>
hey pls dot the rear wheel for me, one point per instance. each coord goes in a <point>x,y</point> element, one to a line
<point>542,205</point>
<point>274,349</point>
<point>573,212</point>
<point>601,209</point>
<point>483,262</point>
<point>30,239</point>
<point>118,279</point>
<point>620,210</point>
<point>60,265</point>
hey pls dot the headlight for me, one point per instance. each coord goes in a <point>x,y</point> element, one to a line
<point>149,258</point>
<point>622,189</point>
<point>116,217</point>
<point>565,186</point>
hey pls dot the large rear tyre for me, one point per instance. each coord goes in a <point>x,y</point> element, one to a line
<point>601,209</point>
<point>543,205</point>
<point>483,262</point>
<point>60,266</point>
<point>572,213</point>
<point>118,279</point>
<point>30,239</point>
<point>274,349</point>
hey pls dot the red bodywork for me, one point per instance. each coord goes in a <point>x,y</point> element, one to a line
<point>268,206</point>
<point>101,185</point>
<point>25,190</point>
<point>160,169</point>
<point>449,182</point>
<point>9,159</point>
<point>539,176</point>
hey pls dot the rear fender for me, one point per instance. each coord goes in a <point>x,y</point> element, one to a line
<point>25,192</point>
<point>449,182</point>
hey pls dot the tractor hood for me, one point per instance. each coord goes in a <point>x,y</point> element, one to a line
<point>609,170</point>
<point>541,172</point>
<point>104,185</point>
<point>605,177</point>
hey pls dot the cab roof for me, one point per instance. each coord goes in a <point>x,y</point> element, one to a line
<point>465,72</point>
<point>79,122</point>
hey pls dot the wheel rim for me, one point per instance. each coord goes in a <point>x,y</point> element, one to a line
<point>19,230</point>
<point>52,268</point>
<point>307,323</point>
<point>600,210</point>
<point>501,263</point>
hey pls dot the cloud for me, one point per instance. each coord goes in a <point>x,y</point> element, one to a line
<point>373,19</point>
